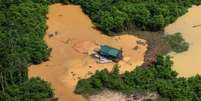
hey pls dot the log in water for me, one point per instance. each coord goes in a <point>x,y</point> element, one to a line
<point>196,26</point>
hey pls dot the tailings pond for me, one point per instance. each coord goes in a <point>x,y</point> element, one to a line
<point>188,63</point>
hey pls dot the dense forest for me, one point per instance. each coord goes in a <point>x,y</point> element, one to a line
<point>23,25</point>
<point>114,16</point>
<point>158,77</point>
<point>123,15</point>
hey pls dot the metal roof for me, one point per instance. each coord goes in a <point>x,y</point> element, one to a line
<point>109,51</point>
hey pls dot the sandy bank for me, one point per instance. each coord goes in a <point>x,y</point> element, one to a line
<point>72,36</point>
<point>188,63</point>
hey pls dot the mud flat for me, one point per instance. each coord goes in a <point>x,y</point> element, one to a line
<point>72,37</point>
<point>188,63</point>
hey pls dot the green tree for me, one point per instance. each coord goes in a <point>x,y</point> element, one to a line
<point>177,42</point>
<point>34,89</point>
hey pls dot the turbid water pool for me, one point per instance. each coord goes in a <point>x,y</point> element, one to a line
<point>188,63</point>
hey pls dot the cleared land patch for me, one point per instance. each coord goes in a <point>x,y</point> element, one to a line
<point>71,35</point>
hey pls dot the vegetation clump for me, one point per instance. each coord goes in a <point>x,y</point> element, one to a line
<point>34,89</point>
<point>157,77</point>
<point>177,42</point>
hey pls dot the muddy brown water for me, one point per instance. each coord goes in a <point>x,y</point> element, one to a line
<point>188,63</point>
<point>72,36</point>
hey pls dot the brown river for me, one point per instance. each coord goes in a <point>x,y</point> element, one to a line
<point>188,63</point>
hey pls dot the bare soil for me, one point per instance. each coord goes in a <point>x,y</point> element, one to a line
<point>108,96</point>
<point>72,37</point>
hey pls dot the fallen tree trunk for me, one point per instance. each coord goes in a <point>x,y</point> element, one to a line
<point>196,26</point>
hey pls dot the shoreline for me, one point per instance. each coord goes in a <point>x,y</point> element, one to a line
<point>187,63</point>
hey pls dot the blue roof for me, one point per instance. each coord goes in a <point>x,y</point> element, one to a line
<point>109,51</point>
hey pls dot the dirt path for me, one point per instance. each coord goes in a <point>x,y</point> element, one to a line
<point>188,63</point>
<point>72,36</point>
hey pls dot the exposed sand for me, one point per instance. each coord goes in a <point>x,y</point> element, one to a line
<point>74,39</point>
<point>108,96</point>
<point>188,63</point>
